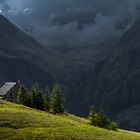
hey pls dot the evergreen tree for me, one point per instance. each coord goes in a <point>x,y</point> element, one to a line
<point>47,100</point>
<point>36,97</point>
<point>92,115</point>
<point>100,120</point>
<point>23,97</point>
<point>57,101</point>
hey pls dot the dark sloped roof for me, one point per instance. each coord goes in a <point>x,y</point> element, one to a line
<point>6,87</point>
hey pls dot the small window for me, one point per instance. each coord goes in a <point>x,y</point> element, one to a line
<point>11,94</point>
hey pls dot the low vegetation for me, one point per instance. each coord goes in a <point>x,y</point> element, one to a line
<point>18,122</point>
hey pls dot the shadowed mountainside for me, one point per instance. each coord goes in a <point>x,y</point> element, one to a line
<point>106,75</point>
<point>22,57</point>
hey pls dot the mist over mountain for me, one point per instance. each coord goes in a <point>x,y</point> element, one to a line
<point>72,23</point>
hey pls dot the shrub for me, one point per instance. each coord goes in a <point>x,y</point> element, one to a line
<point>112,126</point>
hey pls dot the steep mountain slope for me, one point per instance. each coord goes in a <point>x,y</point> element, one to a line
<point>129,118</point>
<point>21,56</point>
<point>107,76</point>
<point>79,71</point>
<point>20,122</point>
<point>121,74</point>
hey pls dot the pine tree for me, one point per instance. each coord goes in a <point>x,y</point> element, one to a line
<point>37,99</point>
<point>100,120</point>
<point>92,115</point>
<point>47,100</point>
<point>57,100</point>
<point>23,97</point>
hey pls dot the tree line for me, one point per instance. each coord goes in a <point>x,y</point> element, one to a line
<point>53,102</point>
<point>47,101</point>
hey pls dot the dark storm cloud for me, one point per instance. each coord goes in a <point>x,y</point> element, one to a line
<point>4,6</point>
<point>73,22</point>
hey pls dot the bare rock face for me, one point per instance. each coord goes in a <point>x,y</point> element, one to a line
<point>21,56</point>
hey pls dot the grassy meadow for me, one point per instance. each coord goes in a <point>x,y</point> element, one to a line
<point>18,122</point>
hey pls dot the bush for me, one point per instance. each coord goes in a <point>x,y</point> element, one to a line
<point>112,126</point>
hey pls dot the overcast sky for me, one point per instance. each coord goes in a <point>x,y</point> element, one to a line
<point>72,22</point>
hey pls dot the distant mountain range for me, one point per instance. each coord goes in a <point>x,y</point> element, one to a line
<point>105,75</point>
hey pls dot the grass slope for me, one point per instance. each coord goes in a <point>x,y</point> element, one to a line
<point>22,123</point>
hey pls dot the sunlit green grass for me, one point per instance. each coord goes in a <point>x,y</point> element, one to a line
<point>21,123</point>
